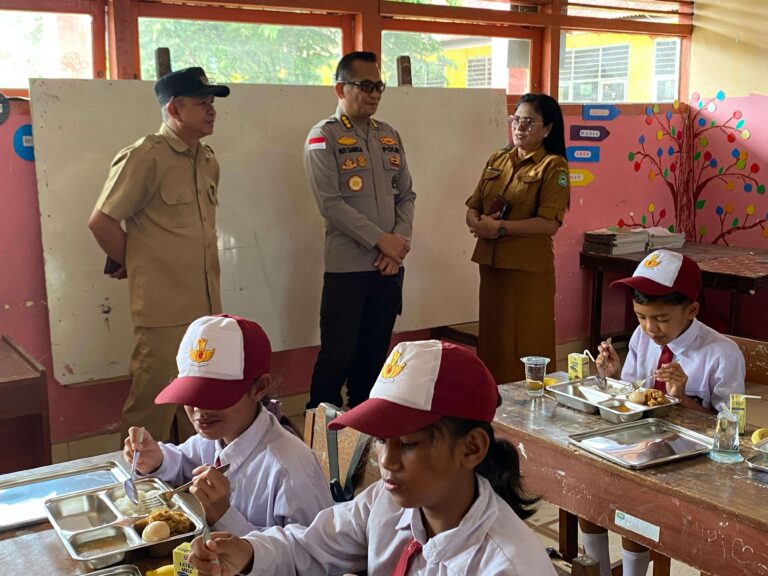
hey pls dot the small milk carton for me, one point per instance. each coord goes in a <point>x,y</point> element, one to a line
<point>578,366</point>
<point>180,564</point>
<point>738,406</point>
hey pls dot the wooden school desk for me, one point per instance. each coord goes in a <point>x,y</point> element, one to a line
<point>36,550</point>
<point>711,516</point>
<point>738,270</point>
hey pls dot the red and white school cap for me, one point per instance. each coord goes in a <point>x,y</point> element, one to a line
<point>218,360</point>
<point>664,272</point>
<point>420,383</point>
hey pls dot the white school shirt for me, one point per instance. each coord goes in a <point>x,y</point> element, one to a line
<point>371,531</point>
<point>274,477</point>
<point>713,363</point>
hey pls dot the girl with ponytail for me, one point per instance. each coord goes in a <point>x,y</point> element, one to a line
<point>450,499</point>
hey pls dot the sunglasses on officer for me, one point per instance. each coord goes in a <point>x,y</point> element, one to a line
<point>366,86</point>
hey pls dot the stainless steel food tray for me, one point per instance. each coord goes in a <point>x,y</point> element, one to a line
<point>583,395</point>
<point>95,531</point>
<point>22,499</point>
<point>758,462</point>
<point>644,443</point>
<point>124,570</point>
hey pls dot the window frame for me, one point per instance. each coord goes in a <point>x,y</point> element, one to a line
<point>236,15</point>
<point>657,78</point>
<point>361,23</point>
<point>96,9</point>
<point>599,79</point>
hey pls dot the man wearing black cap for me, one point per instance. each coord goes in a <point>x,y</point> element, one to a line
<point>165,188</point>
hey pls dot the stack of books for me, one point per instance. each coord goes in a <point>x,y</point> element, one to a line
<point>616,240</point>
<point>662,238</point>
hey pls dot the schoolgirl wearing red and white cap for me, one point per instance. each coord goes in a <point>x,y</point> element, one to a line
<point>434,512</point>
<point>274,478</point>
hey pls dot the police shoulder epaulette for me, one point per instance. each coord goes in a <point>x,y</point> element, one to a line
<point>346,122</point>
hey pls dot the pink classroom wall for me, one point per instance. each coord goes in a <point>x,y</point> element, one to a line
<point>616,192</point>
<point>619,192</point>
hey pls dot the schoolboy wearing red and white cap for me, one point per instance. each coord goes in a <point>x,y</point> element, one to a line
<point>684,357</point>
<point>421,384</point>
<point>274,478</point>
<point>701,366</point>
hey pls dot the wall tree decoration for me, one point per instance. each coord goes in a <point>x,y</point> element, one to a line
<point>684,160</point>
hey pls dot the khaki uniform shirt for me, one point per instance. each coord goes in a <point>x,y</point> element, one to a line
<point>537,185</point>
<point>362,186</point>
<point>167,195</point>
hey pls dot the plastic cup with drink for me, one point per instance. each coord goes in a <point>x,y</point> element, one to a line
<point>725,446</point>
<point>535,369</point>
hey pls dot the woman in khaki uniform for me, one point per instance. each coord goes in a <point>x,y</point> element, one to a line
<point>516,208</point>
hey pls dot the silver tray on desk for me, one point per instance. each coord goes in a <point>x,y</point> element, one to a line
<point>585,396</point>
<point>123,570</point>
<point>758,462</point>
<point>22,499</point>
<point>95,531</point>
<point>643,443</point>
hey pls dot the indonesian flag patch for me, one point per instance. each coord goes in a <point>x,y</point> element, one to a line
<point>316,143</point>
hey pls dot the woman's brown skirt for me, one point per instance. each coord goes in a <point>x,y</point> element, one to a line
<point>517,318</point>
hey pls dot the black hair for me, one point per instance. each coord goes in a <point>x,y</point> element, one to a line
<point>550,111</point>
<point>674,298</point>
<point>501,465</point>
<point>345,68</point>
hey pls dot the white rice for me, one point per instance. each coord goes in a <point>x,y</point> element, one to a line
<point>128,508</point>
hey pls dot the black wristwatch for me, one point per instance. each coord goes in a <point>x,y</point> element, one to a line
<point>502,231</point>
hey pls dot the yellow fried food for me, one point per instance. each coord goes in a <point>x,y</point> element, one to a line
<point>177,521</point>
<point>655,397</point>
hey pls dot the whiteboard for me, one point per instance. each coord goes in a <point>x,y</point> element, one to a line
<point>269,229</point>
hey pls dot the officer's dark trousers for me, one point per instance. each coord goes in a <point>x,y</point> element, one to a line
<point>357,314</point>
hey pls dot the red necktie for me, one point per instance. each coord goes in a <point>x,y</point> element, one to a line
<point>401,569</point>
<point>665,358</point>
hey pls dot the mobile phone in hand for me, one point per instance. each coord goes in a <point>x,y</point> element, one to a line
<point>111,266</point>
<point>497,206</point>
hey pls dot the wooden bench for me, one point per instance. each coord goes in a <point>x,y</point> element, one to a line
<point>755,357</point>
<point>25,439</point>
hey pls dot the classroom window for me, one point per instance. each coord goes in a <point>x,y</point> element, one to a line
<point>594,74</point>
<point>44,45</point>
<point>661,12</point>
<point>479,72</point>
<point>618,67</point>
<point>518,6</point>
<point>454,61</point>
<point>243,52</point>
<point>666,64</point>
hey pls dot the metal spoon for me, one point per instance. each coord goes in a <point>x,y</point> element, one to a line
<point>640,381</point>
<point>168,494</point>
<point>602,381</point>
<point>130,484</point>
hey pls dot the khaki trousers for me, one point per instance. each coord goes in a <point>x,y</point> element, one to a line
<point>517,318</point>
<point>153,366</point>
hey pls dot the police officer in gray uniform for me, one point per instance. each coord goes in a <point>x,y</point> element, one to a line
<point>357,171</point>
